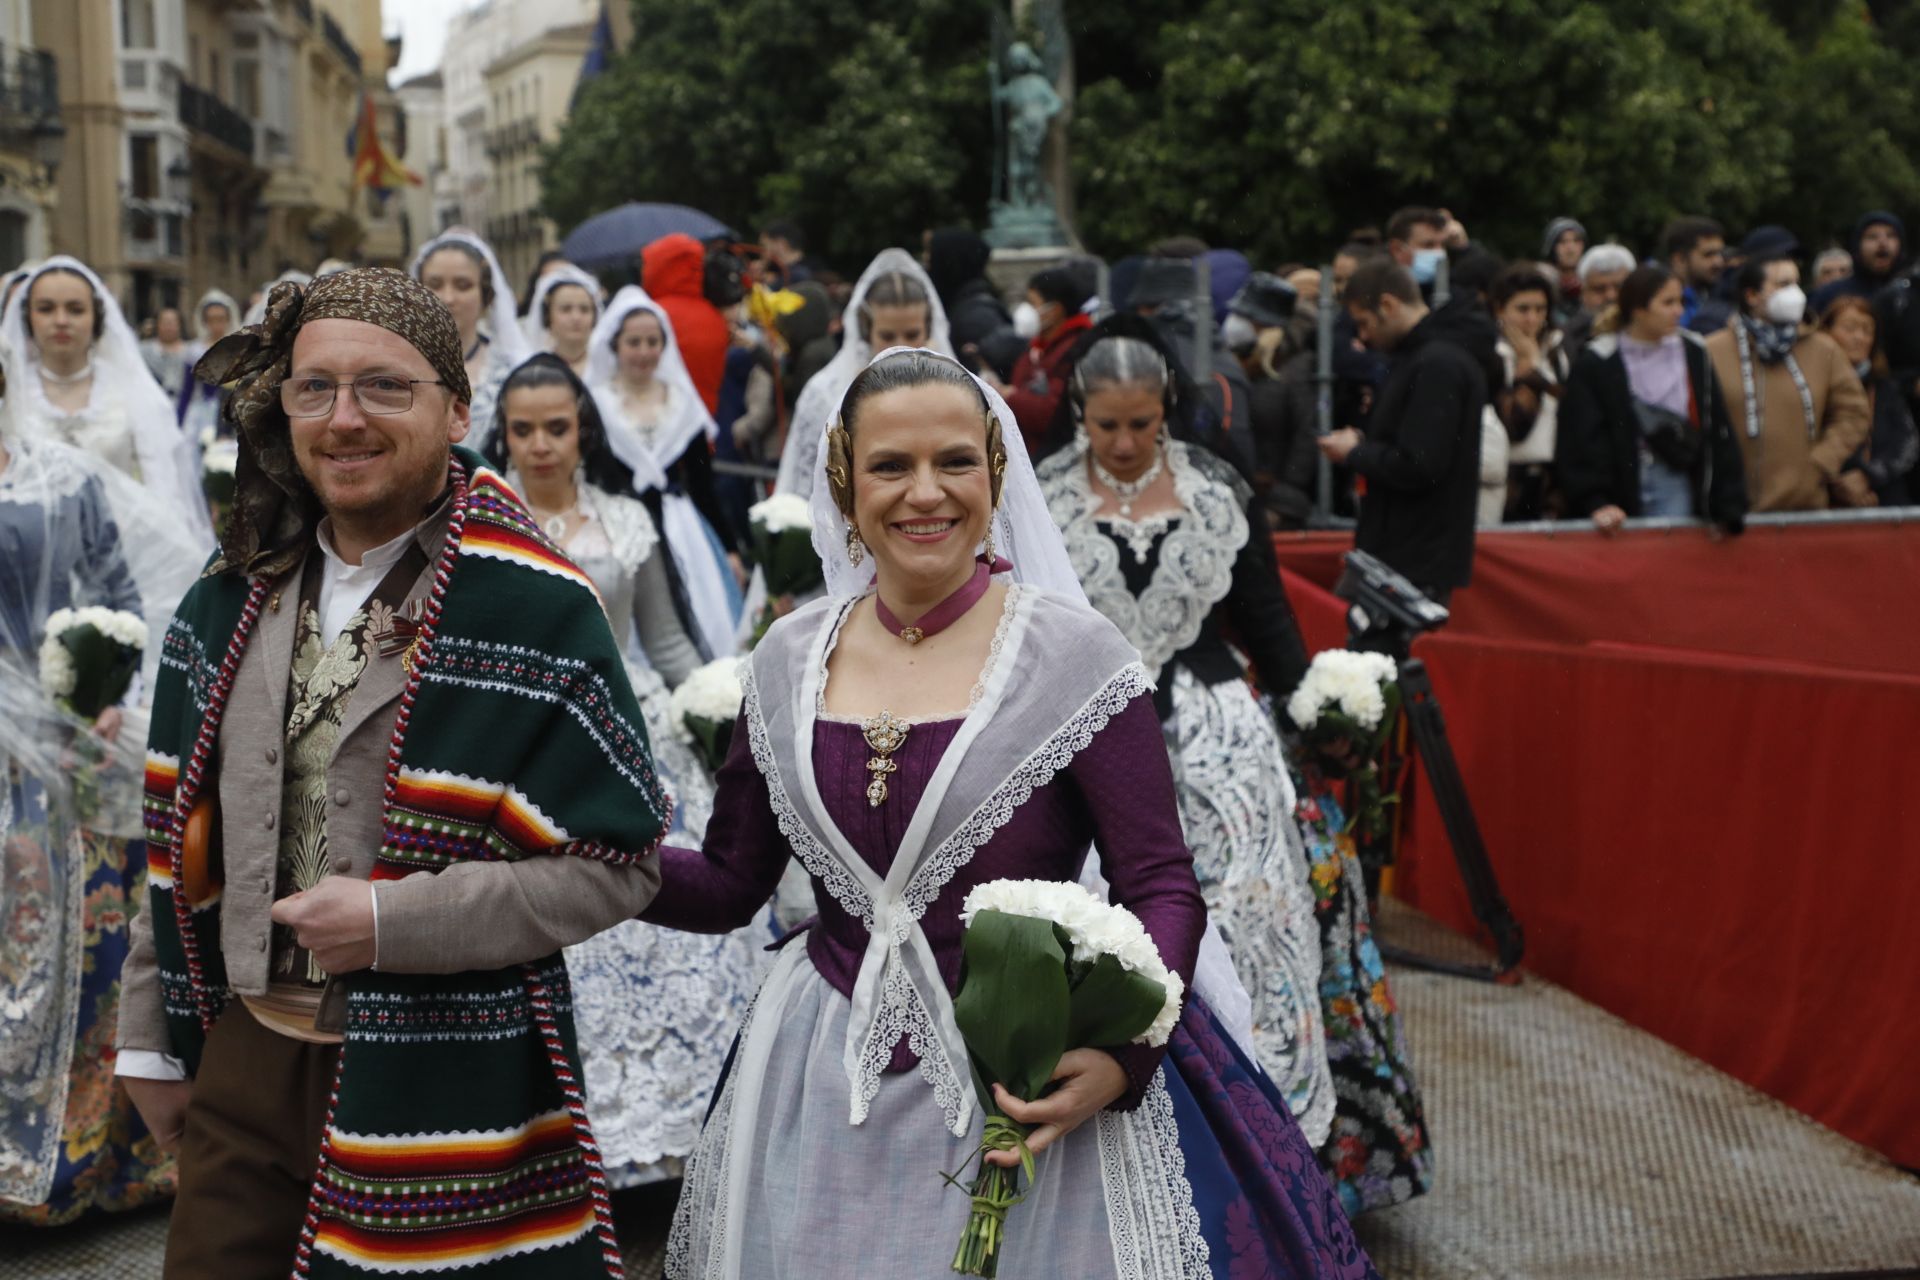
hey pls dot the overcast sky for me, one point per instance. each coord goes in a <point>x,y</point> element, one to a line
<point>422,26</point>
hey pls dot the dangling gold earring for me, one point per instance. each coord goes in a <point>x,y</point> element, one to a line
<point>856,549</point>
<point>986,549</point>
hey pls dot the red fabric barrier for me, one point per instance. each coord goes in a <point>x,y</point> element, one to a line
<point>1704,825</point>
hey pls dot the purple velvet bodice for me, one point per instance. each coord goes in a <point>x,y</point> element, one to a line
<point>1117,791</point>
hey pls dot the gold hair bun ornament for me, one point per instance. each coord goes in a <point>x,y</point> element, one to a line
<point>840,467</point>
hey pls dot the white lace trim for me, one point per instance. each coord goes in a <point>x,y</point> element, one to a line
<point>903,1013</point>
<point>813,856</point>
<point>1153,1222</point>
<point>1034,772</point>
<point>994,648</point>
<point>1195,569</point>
<point>629,528</point>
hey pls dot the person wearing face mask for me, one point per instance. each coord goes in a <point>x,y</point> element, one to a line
<point>1416,239</point>
<point>1881,473</point>
<point>1798,408</point>
<point>1051,319</point>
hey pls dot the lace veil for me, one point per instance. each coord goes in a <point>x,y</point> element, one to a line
<point>503,323</point>
<point>820,398</point>
<point>565,273</point>
<point>687,412</point>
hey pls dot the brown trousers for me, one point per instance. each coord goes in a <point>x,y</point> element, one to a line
<point>248,1154</point>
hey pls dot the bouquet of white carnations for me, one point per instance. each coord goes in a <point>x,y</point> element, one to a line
<point>219,460</point>
<point>783,545</point>
<point>705,707</point>
<point>1048,967</point>
<point>90,656</point>
<point>1345,707</point>
<point>87,664</point>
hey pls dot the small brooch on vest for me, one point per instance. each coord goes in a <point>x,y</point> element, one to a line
<point>396,631</point>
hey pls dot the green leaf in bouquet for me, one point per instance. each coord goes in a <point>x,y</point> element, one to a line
<point>103,669</point>
<point>1112,1005</point>
<point>1012,1007</point>
<point>712,738</point>
<point>788,561</point>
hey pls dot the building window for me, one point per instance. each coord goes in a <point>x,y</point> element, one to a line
<point>13,239</point>
<point>145,167</point>
<point>136,24</point>
<point>246,87</point>
<point>214,83</point>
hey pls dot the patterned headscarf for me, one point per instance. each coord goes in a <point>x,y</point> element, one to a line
<point>274,511</point>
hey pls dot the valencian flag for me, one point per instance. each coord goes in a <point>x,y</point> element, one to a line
<point>373,166</point>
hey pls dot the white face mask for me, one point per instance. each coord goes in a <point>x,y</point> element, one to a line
<point>1026,321</point>
<point>1238,333</point>
<point>1787,305</point>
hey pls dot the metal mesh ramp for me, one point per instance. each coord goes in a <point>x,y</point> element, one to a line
<point>1570,1145</point>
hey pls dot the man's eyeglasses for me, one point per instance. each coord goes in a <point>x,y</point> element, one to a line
<point>375,393</point>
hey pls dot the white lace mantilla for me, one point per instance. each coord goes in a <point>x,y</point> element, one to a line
<point>1195,570</point>
<point>897,945</point>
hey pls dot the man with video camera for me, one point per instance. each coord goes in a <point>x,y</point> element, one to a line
<point>1420,456</point>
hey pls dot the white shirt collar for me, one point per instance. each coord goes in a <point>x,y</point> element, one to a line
<point>381,558</point>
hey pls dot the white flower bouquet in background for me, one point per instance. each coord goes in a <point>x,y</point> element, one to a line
<point>705,708</point>
<point>1048,967</point>
<point>87,663</point>
<point>90,656</point>
<point>219,461</point>
<point>783,545</point>
<point>1346,705</point>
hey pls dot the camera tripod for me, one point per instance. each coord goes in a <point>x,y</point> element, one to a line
<point>1489,905</point>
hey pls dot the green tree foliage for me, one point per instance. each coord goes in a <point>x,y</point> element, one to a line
<point>1281,126</point>
<point>1275,126</point>
<point>866,126</point>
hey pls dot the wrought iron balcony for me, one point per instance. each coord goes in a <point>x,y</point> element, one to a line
<point>204,113</point>
<point>341,45</point>
<point>29,87</point>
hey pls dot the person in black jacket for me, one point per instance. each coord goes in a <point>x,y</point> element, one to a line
<point>1637,436</point>
<point>1420,456</point>
<point>980,324</point>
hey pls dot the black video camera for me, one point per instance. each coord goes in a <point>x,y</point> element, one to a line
<point>1381,602</point>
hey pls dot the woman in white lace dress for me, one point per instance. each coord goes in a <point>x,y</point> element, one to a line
<point>655,1010</point>
<point>1171,544</point>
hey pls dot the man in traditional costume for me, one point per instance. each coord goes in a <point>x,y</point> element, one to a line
<point>385,715</point>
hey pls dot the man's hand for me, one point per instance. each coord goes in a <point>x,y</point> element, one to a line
<point>1454,234</point>
<point>1337,445</point>
<point>163,1105</point>
<point>1851,489</point>
<point>334,920</point>
<point>1608,519</point>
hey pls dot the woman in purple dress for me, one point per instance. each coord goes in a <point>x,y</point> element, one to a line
<point>937,722</point>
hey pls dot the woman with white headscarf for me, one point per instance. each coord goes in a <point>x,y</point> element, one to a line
<point>72,860</point>
<point>657,423</point>
<point>560,319</point>
<point>939,721</point>
<point>462,271</point>
<point>77,377</point>
<point>200,402</point>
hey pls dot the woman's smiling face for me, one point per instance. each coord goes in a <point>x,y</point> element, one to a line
<point>922,492</point>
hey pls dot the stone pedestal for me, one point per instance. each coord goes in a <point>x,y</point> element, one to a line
<point>1010,269</point>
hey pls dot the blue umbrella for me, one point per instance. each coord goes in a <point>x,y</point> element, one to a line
<point>617,236</point>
